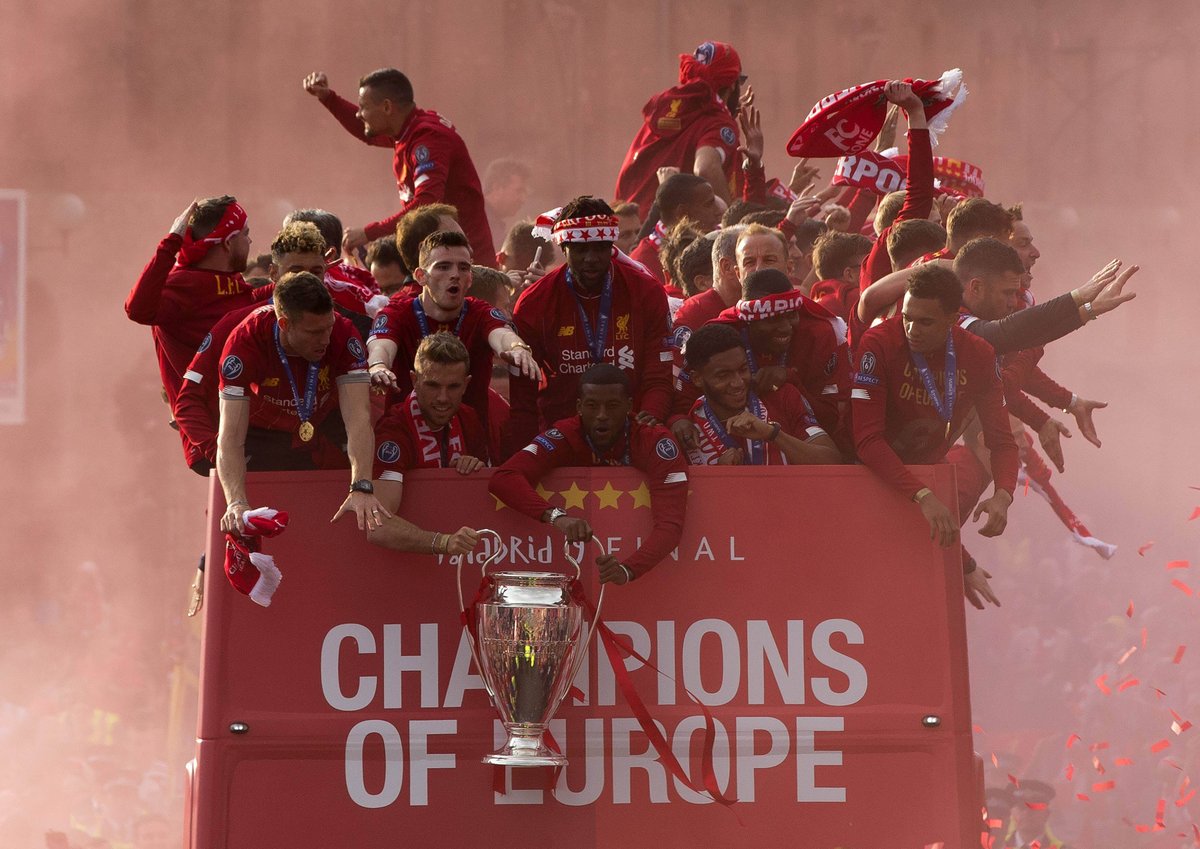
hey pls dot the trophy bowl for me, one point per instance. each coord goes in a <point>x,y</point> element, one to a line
<point>528,642</point>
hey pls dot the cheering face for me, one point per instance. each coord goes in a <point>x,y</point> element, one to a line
<point>307,335</point>
<point>1021,240</point>
<point>439,388</point>
<point>1000,297</point>
<point>725,379</point>
<point>926,323</point>
<point>773,335</point>
<point>762,250</point>
<point>375,111</point>
<point>603,410</point>
<point>446,277</point>
<point>313,263</point>
<point>589,263</point>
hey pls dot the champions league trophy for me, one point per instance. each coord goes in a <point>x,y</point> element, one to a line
<point>528,642</point>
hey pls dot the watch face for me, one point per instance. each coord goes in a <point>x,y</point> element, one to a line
<point>362,486</point>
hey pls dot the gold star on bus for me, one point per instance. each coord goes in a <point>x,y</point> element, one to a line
<point>641,496</point>
<point>608,496</point>
<point>574,496</point>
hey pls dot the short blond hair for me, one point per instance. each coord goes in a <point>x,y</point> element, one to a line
<point>298,237</point>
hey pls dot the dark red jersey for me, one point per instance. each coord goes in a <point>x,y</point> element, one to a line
<point>398,322</point>
<point>432,165</point>
<point>648,252</point>
<point>549,317</point>
<point>197,406</point>
<point>404,440</point>
<point>675,124</point>
<point>837,296</point>
<point>251,368</point>
<point>649,448</point>
<point>697,311</point>
<point>895,419</point>
<point>785,406</point>
<point>918,203</point>
<point>353,288</point>
<point>182,305</point>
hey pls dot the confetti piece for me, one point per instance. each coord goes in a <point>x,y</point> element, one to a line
<point>1195,514</point>
<point>1014,780</point>
<point>1103,687</point>
<point>1083,797</point>
<point>1179,564</point>
<point>1160,745</point>
<point>1129,610</point>
<point>1070,771</point>
<point>1159,692</point>
<point>1180,727</point>
<point>1142,549</point>
<point>1143,637</point>
<point>1095,747</point>
<point>1159,813</point>
<point>1103,786</point>
<point>1170,762</point>
<point>1072,740</point>
<point>935,845</point>
<point>1099,767</point>
<point>1125,656</point>
<point>1123,762</point>
<point>1183,800</point>
<point>977,729</point>
<point>1196,831</point>
<point>1036,806</point>
<point>1182,587</point>
<point>1126,684</point>
<point>1179,654</point>
<point>995,762</point>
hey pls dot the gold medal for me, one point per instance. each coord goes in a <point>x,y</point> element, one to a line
<point>306,431</point>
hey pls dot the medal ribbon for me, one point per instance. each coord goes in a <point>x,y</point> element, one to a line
<point>751,359</point>
<point>595,343</point>
<point>758,448</point>
<point>943,404</point>
<point>304,409</point>
<point>625,461</point>
<point>423,320</point>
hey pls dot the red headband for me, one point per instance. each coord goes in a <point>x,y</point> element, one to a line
<point>231,223</point>
<point>757,309</point>
<point>715,62</point>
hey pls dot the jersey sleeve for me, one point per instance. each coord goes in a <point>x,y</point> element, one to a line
<point>868,401</point>
<point>798,418</point>
<point>349,358</point>
<point>242,364</point>
<point>346,114</point>
<point>656,378</point>
<point>514,482</point>
<point>1045,388</point>
<point>658,456</point>
<point>428,154</point>
<point>723,135</point>
<point>918,192</point>
<point>993,416</point>
<point>522,421</point>
<point>145,298</point>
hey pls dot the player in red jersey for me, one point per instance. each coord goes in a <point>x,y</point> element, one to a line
<point>431,429</point>
<point>735,426</point>
<point>726,290</point>
<point>603,433</point>
<point>278,372</point>
<point>838,259</point>
<point>354,290</point>
<point>431,161</point>
<point>600,307</point>
<point>193,280</point>
<point>679,196</point>
<point>690,126</point>
<point>920,376</point>
<point>444,272</point>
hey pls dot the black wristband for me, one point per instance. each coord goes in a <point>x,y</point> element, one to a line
<point>775,428</point>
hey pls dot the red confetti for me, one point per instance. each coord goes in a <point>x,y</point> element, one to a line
<point>1123,762</point>
<point>1180,727</point>
<point>1036,806</point>
<point>1014,780</point>
<point>1095,747</point>
<point>1072,740</point>
<point>1070,771</point>
<point>1178,564</point>
<point>1183,800</point>
<point>1196,831</point>
<point>1160,745</point>
<point>1125,656</point>
<point>1143,637</point>
<point>1103,786</point>
<point>995,762</point>
<point>1129,610</point>
<point>1195,514</point>
<point>1142,549</point>
<point>1103,687</point>
<point>977,729</point>
<point>1083,797</point>
<point>1182,587</point>
<point>1126,684</point>
<point>1159,813</point>
<point>1179,654</point>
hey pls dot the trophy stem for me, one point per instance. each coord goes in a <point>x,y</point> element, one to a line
<point>525,747</point>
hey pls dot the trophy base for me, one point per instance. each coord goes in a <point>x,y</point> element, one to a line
<point>525,750</point>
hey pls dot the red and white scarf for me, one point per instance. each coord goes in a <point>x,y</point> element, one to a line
<point>845,123</point>
<point>957,176</point>
<point>354,288</point>
<point>429,442</point>
<point>249,571</point>
<point>232,222</point>
<point>757,309</point>
<point>587,228</point>
<point>710,446</point>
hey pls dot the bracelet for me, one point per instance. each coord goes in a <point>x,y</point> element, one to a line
<point>775,428</point>
<point>1071,403</point>
<point>1091,313</point>
<point>520,345</point>
<point>433,544</point>
<point>921,493</point>
<point>372,365</point>
<point>627,571</point>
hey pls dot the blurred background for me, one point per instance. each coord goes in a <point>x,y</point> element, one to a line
<point>117,114</point>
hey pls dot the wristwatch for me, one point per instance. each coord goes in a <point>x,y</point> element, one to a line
<point>363,486</point>
<point>555,514</point>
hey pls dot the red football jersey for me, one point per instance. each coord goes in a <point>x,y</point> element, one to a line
<point>649,448</point>
<point>432,165</point>
<point>398,322</point>
<point>675,123</point>
<point>547,316</point>
<point>404,441</point>
<point>894,418</point>
<point>182,305</point>
<point>251,369</point>
<point>647,252</point>
<point>785,406</point>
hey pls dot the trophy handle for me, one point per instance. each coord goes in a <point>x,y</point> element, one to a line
<point>462,604</point>
<point>599,602</point>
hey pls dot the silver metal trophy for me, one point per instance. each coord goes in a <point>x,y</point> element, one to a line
<point>531,643</point>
